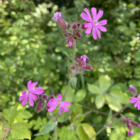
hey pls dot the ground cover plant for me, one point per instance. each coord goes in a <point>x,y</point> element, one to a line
<point>69,70</point>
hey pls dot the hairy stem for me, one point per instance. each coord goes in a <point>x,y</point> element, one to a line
<point>55,132</point>
<point>73,58</point>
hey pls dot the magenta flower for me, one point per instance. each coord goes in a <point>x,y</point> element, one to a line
<point>31,93</point>
<point>53,103</point>
<point>135,100</point>
<point>58,17</point>
<point>132,88</point>
<point>93,23</point>
<point>130,133</point>
<point>83,59</point>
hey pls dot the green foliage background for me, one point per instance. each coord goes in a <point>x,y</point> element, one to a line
<point>32,48</point>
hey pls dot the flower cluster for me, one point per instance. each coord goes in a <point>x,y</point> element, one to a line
<point>128,122</point>
<point>80,66</point>
<point>42,99</point>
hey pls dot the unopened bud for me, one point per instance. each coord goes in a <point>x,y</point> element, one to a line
<point>135,124</point>
<point>66,34</point>
<point>132,88</point>
<point>74,26</point>
<point>73,67</point>
<point>88,67</point>
<point>38,109</point>
<point>78,34</point>
<point>62,24</point>
<point>84,26</point>
<point>70,41</point>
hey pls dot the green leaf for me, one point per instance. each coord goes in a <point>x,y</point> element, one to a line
<point>73,81</point>
<point>94,89</point>
<point>25,114</point>
<point>20,131</point>
<point>81,133</point>
<point>99,101</point>
<point>80,95</point>
<point>122,97</point>
<point>109,116</point>
<point>64,116</point>
<point>89,130</point>
<point>12,114</point>
<point>113,103</point>
<point>48,128</point>
<point>104,82</point>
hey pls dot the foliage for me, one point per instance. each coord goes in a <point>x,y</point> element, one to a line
<point>32,48</point>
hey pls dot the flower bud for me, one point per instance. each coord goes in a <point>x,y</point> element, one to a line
<point>74,26</point>
<point>38,109</point>
<point>84,26</point>
<point>135,124</point>
<point>132,88</point>
<point>62,24</point>
<point>88,67</point>
<point>66,34</point>
<point>73,67</point>
<point>130,133</point>
<point>70,41</point>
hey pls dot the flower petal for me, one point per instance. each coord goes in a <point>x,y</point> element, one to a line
<point>103,22</point>
<point>65,108</point>
<point>102,28</point>
<point>98,33</point>
<point>94,12</point>
<point>21,98</point>
<point>31,103</point>
<point>52,102</point>
<point>38,90</point>
<point>24,92</point>
<point>66,103</point>
<point>88,14</point>
<point>24,101</point>
<point>136,104</point>
<point>60,110</point>
<point>133,100</point>
<point>94,33</point>
<point>88,30</point>
<point>59,96</point>
<point>85,17</point>
<point>52,108</point>
<point>34,97</point>
<point>99,15</point>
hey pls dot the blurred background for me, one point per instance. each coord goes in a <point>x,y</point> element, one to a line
<point>32,48</point>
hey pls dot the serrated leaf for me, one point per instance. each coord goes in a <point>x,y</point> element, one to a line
<point>48,128</point>
<point>80,95</point>
<point>104,82</point>
<point>94,89</point>
<point>20,131</point>
<point>99,101</point>
<point>73,81</point>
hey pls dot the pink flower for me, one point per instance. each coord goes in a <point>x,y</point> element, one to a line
<point>31,93</point>
<point>135,100</point>
<point>58,17</point>
<point>132,88</point>
<point>53,103</point>
<point>83,59</point>
<point>130,133</point>
<point>70,41</point>
<point>92,23</point>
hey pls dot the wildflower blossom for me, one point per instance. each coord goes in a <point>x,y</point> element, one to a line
<point>83,59</point>
<point>31,93</point>
<point>53,103</point>
<point>58,17</point>
<point>135,100</point>
<point>93,23</point>
<point>132,88</point>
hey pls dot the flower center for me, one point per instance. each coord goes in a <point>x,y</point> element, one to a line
<point>95,23</point>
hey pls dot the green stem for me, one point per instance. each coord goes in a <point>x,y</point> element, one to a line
<point>109,123</point>
<point>73,58</point>
<point>55,132</point>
